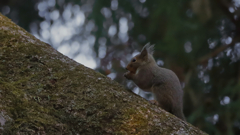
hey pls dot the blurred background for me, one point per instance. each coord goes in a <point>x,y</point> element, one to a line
<point>198,39</point>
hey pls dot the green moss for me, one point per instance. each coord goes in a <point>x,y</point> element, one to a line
<point>43,91</point>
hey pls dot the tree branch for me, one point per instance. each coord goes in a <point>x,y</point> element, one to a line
<point>44,92</point>
<point>204,59</point>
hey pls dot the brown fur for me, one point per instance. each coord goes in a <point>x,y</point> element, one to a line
<point>164,83</point>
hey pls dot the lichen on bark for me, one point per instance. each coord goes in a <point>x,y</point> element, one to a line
<point>45,92</point>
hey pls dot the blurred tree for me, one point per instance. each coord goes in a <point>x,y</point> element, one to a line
<point>198,39</point>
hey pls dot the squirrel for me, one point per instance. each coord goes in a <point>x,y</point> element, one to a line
<point>163,83</point>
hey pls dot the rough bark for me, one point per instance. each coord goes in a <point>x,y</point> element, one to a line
<point>45,92</point>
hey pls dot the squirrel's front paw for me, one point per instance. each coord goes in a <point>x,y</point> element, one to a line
<point>127,74</point>
<point>153,102</point>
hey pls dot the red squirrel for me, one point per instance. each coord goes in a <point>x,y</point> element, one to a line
<point>163,83</point>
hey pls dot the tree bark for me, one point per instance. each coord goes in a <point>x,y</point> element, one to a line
<point>45,92</point>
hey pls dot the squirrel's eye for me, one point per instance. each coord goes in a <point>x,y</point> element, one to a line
<point>133,60</point>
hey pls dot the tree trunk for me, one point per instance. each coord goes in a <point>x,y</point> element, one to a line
<point>45,92</point>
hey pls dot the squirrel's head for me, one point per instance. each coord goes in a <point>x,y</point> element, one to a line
<point>145,57</point>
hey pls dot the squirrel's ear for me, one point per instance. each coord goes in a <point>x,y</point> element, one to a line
<point>144,53</point>
<point>149,48</point>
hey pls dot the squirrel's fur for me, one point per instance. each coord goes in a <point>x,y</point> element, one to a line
<point>164,83</point>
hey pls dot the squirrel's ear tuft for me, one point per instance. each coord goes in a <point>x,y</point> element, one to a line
<point>149,48</point>
<point>144,53</point>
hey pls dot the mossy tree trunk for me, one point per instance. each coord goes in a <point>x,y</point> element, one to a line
<point>45,92</point>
